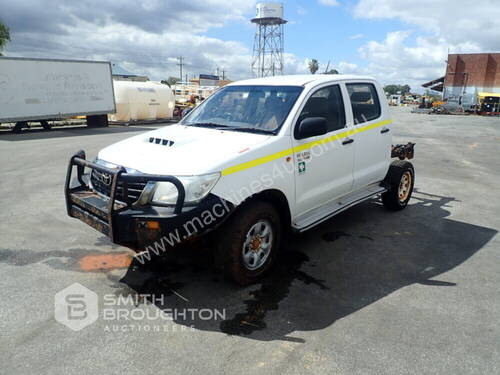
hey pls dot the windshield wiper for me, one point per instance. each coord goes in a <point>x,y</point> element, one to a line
<point>246,129</point>
<point>206,124</point>
<point>228,127</point>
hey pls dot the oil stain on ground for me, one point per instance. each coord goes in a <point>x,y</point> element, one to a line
<point>165,277</point>
<point>274,288</point>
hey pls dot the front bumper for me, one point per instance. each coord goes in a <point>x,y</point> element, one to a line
<point>138,226</point>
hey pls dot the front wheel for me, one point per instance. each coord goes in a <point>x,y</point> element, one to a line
<point>247,245</point>
<point>400,180</point>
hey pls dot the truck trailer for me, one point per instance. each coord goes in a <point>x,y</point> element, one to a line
<point>40,90</point>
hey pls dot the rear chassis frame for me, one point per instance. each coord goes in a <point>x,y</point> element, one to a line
<point>403,151</point>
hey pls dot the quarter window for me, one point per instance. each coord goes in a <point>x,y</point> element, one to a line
<point>326,102</point>
<point>364,101</point>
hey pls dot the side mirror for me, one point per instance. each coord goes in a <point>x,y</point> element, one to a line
<point>311,126</point>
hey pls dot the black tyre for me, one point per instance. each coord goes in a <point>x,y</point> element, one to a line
<point>19,126</point>
<point>45,124</point>
<point>247,244</point>
<point>400,180</point>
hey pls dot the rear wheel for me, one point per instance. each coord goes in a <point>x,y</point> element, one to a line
<point>45,124</point>
<point>247,245</point>
<point>19,126</point>
<point>400,180</point>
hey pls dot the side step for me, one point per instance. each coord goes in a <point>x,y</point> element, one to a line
<point>318,215</point>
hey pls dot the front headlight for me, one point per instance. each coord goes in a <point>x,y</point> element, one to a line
<point>196,187</point>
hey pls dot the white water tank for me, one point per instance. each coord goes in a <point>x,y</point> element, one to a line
<point>269,10</point>
<point>142,101</point>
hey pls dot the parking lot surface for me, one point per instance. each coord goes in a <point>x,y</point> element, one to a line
<point>367,292</point>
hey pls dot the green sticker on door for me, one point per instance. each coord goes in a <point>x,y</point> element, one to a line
<point>302,167</point>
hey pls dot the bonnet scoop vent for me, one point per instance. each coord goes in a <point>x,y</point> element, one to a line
<point>161,141</point>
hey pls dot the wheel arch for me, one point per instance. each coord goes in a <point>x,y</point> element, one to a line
<point>276,198</point>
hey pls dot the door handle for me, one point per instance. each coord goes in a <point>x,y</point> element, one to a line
<point>347,141</point>
<point>385,130</point>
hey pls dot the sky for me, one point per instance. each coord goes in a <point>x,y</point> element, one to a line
<point>396,41</point>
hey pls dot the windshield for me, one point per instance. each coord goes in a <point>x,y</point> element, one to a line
<point>245,108</point>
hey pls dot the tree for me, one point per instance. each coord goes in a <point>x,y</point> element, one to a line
<point>313,66</point>
<point>391,89</point>
<point>171,81</point>
<point>4,36</point>
<point>332,71</point>
<point>405,89</point>
<point>397,89</point>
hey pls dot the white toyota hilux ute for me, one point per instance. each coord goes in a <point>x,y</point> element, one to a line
<point>256,158</point>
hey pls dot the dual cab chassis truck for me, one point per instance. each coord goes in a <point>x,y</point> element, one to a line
<point>254,160</point>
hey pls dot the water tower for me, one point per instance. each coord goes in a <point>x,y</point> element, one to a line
<point>268,44</point>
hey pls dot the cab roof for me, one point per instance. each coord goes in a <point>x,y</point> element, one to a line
<point>299,79</point>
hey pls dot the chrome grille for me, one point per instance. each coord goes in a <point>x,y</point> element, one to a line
<point>101,183</point>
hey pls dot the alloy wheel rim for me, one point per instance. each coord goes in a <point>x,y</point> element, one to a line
<point>257,245</point>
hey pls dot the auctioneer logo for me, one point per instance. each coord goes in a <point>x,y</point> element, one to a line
<point>76,307</point>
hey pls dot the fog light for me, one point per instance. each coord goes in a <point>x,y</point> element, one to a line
<point>153,225</point>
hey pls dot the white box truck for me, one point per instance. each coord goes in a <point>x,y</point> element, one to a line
<point>47,89</point>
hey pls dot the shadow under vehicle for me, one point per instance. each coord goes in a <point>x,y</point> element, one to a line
<point>368,255</point>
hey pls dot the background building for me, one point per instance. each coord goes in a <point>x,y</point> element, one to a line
<point>468,76</point>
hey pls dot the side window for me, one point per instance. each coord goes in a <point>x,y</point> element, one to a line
<point>364,101</point>
<point>327,103</point>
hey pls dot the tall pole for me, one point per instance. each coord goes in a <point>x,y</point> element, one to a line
<point>327,66</point>
<point>181,59</point>
<point>263,52</point>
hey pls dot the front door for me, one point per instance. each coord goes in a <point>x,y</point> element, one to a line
<point>323,163</point>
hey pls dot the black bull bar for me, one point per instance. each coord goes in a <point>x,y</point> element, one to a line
<point>98,211</point>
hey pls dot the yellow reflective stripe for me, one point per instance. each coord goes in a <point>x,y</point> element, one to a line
<point>254,163</point>
<point>371,126</point>
<point>305,146</point>
<point>332,138</point>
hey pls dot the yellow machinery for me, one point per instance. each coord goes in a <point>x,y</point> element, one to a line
<point>488,103</point>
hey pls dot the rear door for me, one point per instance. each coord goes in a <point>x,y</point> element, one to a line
<point>372,146</point>
<point>323,163</point>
